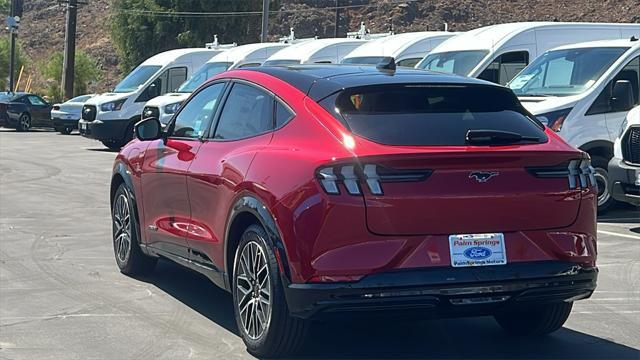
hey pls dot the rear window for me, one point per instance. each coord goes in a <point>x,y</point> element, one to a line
<point>430,115</point>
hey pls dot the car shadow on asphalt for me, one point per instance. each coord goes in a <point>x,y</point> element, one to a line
<point>621,213</point>
<point>104,150</point>
<point>467,338</point>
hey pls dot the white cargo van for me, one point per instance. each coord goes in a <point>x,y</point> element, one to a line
<point>497,53</point>
<point>163,107</point>
<point>110,117</point>
<point>584,91</point>
<point>320,51</point>
<point>407,49</point>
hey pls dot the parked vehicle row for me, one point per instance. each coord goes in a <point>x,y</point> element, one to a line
<point>163,107</point>
<point>576,85</point>
<point>583,92</point>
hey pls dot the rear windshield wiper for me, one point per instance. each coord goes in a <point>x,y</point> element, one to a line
<point>496,137</point>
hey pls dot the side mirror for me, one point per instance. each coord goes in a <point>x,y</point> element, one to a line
<point>622,96</point>
<point>148,129</point>
<point>153,91</point>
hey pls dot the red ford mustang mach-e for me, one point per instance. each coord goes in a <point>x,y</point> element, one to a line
<point>324,190</point>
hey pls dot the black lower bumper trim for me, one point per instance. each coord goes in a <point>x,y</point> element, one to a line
<point>447,291</point>
<point>105,130</point>
<point>622,181</point>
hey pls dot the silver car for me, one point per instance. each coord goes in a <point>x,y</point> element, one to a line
<point>65,116</point>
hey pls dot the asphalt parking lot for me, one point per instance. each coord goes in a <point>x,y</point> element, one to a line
<point>62,297</point>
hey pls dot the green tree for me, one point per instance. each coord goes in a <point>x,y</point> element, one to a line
<point>142,28</point>
<point>86,71</point>
<point>5,46</point>
<point>5,7</point>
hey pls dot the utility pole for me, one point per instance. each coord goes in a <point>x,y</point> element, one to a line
<point>265,21</point>
<point>68,67</point>
<point>337,21</point>
<point>14,14</point>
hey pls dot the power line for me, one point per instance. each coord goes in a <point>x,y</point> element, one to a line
<point>194,14</point>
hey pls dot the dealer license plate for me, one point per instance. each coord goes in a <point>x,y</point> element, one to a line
<point>477,249</point>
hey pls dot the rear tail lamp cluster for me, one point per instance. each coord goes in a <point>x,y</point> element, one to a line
<point>579,172</point>
<point>353,177</point>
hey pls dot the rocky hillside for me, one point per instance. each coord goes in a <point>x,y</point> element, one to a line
<point>42,30</point>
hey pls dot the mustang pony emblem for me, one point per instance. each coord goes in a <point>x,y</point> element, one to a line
<point>483,176</point>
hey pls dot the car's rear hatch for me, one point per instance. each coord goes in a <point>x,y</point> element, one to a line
<point>471,192</point>
<point>443,159</point>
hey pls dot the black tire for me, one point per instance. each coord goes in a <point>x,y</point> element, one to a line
<point>283,334</point>
<point>134,261</point>
<point>24,122</point>
<point>66,130</point>
<point>535,320</point>
<point>605,200</point>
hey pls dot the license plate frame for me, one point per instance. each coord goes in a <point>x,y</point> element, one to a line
<point>469,250</point>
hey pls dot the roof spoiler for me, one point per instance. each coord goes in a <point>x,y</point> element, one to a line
<point>388,63</point>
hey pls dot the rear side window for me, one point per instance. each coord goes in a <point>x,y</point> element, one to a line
<point>424,115</point>
<point>248,111</point>
<point>283,114</point>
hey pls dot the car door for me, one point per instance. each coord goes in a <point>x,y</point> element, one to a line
<point>166,161</point>
<point>218,171</point>
<point>631,73</point>
<point>40,111</point>
<point>602,107</point>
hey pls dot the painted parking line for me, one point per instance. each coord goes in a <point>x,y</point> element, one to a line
<point>634,219</point>
<point>619,234</point>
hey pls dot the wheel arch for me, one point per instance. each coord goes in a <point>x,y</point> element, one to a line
<point>601,148</point>
<point>122,176</point>
<point>247,210</point>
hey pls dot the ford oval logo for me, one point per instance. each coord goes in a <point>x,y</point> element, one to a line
<point>477,253</point>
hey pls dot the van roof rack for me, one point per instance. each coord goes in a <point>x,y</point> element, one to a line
<point>364,33</point>
<point>291,38</point>
<point>215,45</point>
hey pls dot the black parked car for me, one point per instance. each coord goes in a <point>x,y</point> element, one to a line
<point>23,111</point>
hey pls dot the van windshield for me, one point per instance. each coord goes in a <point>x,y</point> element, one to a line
<point>206,72</point>
<point>363,60</point>
<point>283,62</point>
<point>453,62</point>
<point>136,78</point>
<point>565,72</point>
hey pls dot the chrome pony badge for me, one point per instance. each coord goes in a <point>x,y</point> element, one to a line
<point>483,176</point>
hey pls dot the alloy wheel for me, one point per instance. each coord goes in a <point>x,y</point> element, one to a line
<point>25,122</point>
<point>253,290</point>
<point>122,228</point>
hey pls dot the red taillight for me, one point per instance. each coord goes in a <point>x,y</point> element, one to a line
<point>372,175</point>
<point>579,172</point>
<point>56,107</point>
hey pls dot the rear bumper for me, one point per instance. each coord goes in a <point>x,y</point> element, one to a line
<point>64,123</point>
<point>624,180</point>
<point>447,292</point>
<point>107,130</point>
